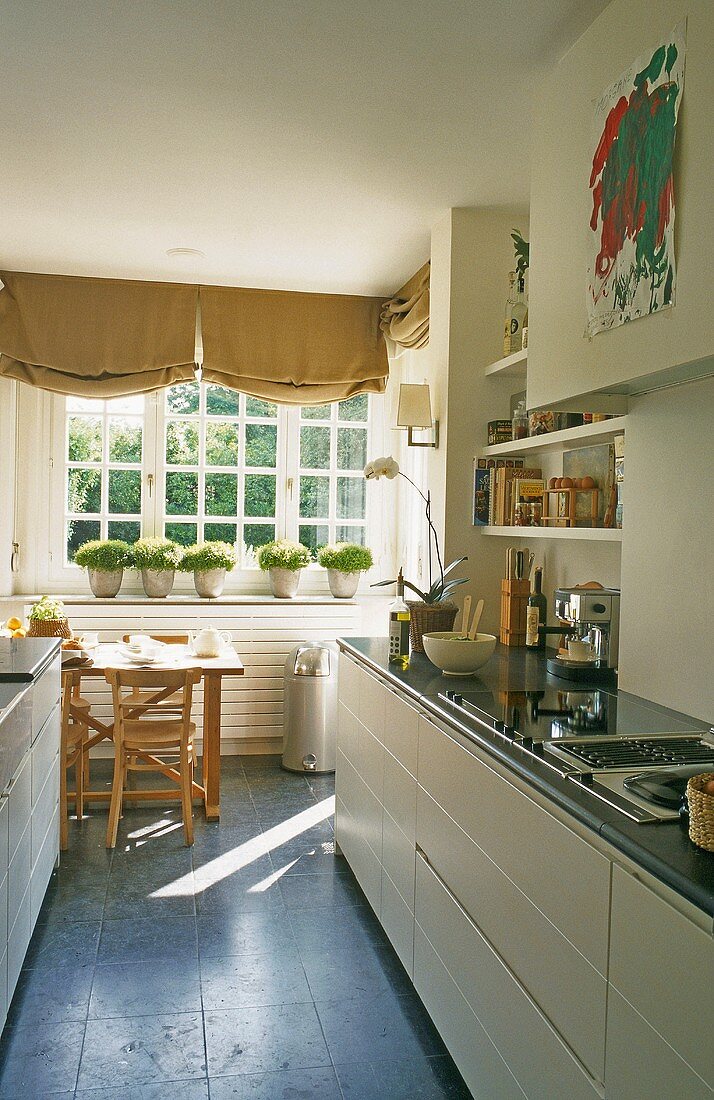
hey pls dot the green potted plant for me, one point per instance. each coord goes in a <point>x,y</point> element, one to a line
<point>283,560</point>
<point>344,561</point>
<point>433,610</point>
<point>157,559</point>
<point>209,562</point>
<point>48,620</point>
<point>104,560</point>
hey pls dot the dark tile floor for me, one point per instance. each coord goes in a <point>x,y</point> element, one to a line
<point>249,967</point>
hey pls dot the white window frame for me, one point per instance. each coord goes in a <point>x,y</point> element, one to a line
<point>69,578</point>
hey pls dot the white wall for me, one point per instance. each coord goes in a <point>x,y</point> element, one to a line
<point>667,562</point>
<point>7,479</point>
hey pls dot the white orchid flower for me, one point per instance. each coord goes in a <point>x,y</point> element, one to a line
<point>381,467</point>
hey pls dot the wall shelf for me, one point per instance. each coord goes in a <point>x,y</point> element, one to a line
<point>602,432</point>
<point>591,534</point>
<point>513,366</point>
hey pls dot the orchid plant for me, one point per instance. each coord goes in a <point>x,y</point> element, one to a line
<point>440,588</point>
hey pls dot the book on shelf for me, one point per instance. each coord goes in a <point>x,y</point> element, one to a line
<point>484,486</point>
<point>528,489</point>
<point>503,491</point>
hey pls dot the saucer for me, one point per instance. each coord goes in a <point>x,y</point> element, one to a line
<point>575,660</point>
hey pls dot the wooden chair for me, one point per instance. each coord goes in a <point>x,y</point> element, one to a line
<point>73,743</point>
<point>153,731</point>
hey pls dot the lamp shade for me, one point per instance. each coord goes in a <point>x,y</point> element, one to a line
<point>414,409</point>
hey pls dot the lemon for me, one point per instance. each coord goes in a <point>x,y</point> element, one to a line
<point>13,624</point>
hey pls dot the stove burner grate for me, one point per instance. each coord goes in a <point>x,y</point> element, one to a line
<point>641,751</point>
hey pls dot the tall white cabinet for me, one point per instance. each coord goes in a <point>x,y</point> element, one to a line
<point>544,962</point>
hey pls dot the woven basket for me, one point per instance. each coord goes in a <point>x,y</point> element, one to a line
<point>426,617</point>
<point>49,628</point>
<point>701,811</point>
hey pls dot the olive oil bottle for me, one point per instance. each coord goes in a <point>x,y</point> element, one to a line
<point>399,622</point>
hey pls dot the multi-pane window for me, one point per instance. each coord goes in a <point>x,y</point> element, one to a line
<point>199,462</point>
<point>220,461</point>
<point>103,451</point>
<point>333,453</point>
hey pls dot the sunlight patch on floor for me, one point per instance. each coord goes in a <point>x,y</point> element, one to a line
<point>216,870</point>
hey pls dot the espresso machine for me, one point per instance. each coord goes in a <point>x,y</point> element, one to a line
<point>592,616</point>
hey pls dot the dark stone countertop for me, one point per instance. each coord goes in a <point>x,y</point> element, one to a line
<point>23,659</point>
<point>664,849</point>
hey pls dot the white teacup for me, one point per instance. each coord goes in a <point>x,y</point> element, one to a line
<point>580,651</point>
<point>90,639</point>
<point>138,641</point>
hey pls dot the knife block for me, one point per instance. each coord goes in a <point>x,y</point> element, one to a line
<point>514,604</point>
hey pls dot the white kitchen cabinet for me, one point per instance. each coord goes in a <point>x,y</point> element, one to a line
<point>397,919</point>
<point>45,695</point>
<point>17,942</point>
<point>671,989</point>
<point>640,1065</point>
<point>566,987</point>
<point>18,875</point>
<point>372,704</point>
<point>534,1052</point>
<point>19,795</point>
<point>44,865</point>
<point>401,731</point>
<point>563,875</point>
<point>480,1064</point>
<point>348,679</point>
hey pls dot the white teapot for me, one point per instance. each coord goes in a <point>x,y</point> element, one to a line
<point>210,642</point>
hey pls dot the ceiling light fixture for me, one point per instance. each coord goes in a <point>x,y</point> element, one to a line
<point>195,252</point>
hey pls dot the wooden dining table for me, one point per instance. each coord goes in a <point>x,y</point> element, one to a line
<point>213,669</point>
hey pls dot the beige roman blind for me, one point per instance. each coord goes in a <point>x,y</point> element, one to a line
<point>297,349</point>
<point>96,337</point>
<point>405,317</point>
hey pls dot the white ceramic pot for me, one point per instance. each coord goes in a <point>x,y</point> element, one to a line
<point>284,582</point>
<point>342,585</point>
<point>157,582</point>
<point>455,655</point>
<point>209,582</point>
<point>104,585</point>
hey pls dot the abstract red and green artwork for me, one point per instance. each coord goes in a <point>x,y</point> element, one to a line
<point>631,266</point>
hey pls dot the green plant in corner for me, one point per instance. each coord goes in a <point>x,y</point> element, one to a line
<point>346,557</point>
<point>206,556</point>
<point>104,555</point>
<point>283,554</point>
<point>157,554</point>
<point>522,250</point>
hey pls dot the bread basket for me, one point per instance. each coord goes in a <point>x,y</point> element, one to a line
<point>701,811</point>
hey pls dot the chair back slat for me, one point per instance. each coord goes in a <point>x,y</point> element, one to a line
<point>152,705</point>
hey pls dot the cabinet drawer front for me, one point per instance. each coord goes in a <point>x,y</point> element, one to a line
<point>401,731</point>
<point>17,943</point>
<point>44,752</point>
<point>372,700</point>
<point>4,926</point>
<point>19,798</point>
<point>569,991</point>
<point>364,863</point>
<point>370,762</point>
<point>672,989</point>
<point>398,858</point>
<point>639,1062</point>
<point>398,922</point>
<point>347,726</point>
<point>399,796</point>
<point>538,1059</point>
<point>562,875</point>
<point>4,1004</point>
<point>44,809</point>
<point>43,866</point>
<point>4,836</point>
<point>479,1063</point>
<point>18,875</point>
<point>366,810</point>
<point>348,683</point>
<point>45,695</point>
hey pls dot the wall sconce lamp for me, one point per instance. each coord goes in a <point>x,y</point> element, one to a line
<point>414,412</point>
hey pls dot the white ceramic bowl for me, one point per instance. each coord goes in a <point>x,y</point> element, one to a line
<point>457,656</point>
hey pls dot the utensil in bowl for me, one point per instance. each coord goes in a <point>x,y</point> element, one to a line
<point>465,615</point>
<point>458,656</point>
<point>476,620</point>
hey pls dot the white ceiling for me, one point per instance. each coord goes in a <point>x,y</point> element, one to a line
<point>300,144</point>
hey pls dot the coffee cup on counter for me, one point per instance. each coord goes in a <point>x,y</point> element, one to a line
<point>579,650</point>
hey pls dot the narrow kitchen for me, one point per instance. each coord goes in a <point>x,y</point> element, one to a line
<point>356,695</point>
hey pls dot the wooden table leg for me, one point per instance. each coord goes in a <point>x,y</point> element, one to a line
<point>212,746</point>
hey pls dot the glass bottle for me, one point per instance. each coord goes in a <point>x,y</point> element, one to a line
<point>536,613</point>
<point>399,622</point>
<point>519,422</point>
<point>510,304</point>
